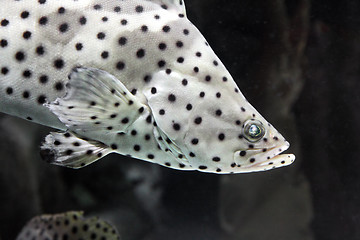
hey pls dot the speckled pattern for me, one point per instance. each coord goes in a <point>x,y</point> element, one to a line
<point>69,225</point>
<point>143,82</point>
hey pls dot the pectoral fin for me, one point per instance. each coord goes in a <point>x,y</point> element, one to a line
<point>96,102</point>
<point>68,150</point>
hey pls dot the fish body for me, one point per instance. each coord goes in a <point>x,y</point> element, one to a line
<point>70,225</point>
<point>132,77</point>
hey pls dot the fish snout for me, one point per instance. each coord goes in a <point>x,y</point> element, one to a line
<point>253,160</point>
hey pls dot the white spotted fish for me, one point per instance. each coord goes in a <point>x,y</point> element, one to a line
<point>69,226</point>
<point>132,77</point>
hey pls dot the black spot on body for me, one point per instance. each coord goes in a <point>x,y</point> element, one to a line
<point>216,159</point>
<point>180,60</point>
<point>125,120</point>
<point>120,65</point>
<point>4,70</point>
<point>140,53</point>
<point>195,141</point>
<point>24,14</point>
<point>69,152</point>
<point>26,94</point>
<point>139,9</point>
<point>43,79</point>
<point>59,63</point>
<point>4,22</point>
<point>166,29</point>
<point>9,90</point>
<point>221,137</point>
<point>41,99</point>
<point>105,54</point>
<point>63,27</point>
<point>176,126</point>
<point>61,10</point>
<point>123,22</point>
<point>144,28</point>
<point>161,63</point>
<point>162,46</point>
<point>97,7</point>
<point>101,35</point>
<point>40,50</point>
<point>179,44</point>
<point>189,107</point>
<point>20,56</point>
<point>198,120</point>
<point>59,86</point>
<point>82,20</point>
<point>43,20</point>
<point>122,41</point>
<point>27,74</point>
<point>172,98</point>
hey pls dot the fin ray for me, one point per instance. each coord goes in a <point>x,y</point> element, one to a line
<point>95,102</point>
<point>66,149</point>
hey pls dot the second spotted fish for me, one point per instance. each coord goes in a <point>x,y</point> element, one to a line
<point>132,77</point>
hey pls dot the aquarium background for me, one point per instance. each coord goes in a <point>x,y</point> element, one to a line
<point>298,63</point>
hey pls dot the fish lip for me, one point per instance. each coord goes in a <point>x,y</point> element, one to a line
<point>277,159</point>
<point>275,152</point>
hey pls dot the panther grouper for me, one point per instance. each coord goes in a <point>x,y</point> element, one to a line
<point>132,77</point>
<point>69,225</point>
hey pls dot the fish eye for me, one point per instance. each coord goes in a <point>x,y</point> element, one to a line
<point>253,130</point>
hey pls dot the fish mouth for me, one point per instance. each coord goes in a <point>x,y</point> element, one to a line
<point>270,159</point>
<point>275,158</point>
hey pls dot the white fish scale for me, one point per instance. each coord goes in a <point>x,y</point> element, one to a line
<point>146,45</point>
<point>63,45</point>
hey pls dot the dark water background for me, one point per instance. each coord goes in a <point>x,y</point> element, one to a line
<point>298,63</point>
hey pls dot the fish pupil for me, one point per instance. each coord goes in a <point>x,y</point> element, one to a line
<point>254,131</point>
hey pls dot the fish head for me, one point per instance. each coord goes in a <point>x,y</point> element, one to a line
<point>198,106</point>
<point>221,131</point>
<point>233,137</point>
<point>214,126</point>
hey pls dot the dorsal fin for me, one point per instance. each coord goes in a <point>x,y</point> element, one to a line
<point>176,5</point>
